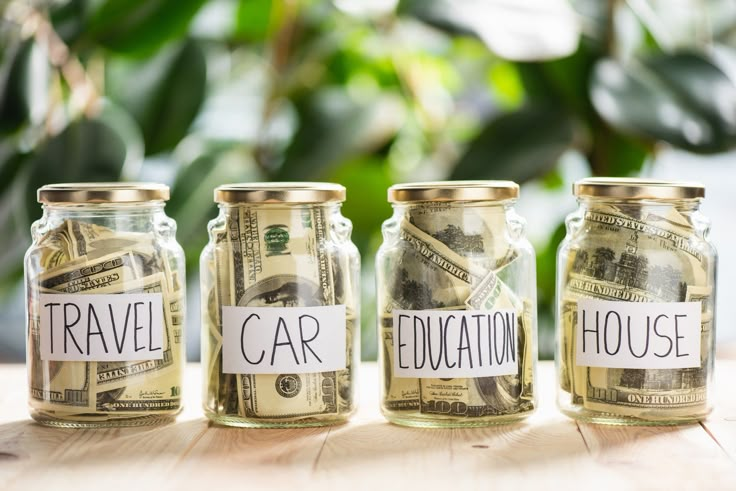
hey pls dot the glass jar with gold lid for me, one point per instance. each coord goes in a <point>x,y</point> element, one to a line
<point>280,307</point>
<point>105,292</point>
<point>456,295</point>
<point>635,304</point>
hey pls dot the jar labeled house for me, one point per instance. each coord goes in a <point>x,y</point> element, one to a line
<point>105,292</point>
<point>280,307</point>
<point>636,304</point>
<point>456,295</point>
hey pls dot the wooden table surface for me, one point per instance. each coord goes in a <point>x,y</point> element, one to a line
<point>547,451</point>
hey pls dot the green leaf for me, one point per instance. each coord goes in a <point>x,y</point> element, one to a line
<point>11,162</point>
<point>191,203</point>
<point>163,94</point>
<point>532,30</point>
<point>614,154</point>
<point>69,18</point>
<point>257,19</point>
<point>547,265</point>
<point>563,81</point>
<point>683,99</point>
<point>518,146</point>
<point>86,151</point>
<point>546,287</point>
<point>23,97</point>
<point>139,27</point>
<point>330,130</point>
<point>366,180</point>
<point>122,123</point>
<point>16,239</point>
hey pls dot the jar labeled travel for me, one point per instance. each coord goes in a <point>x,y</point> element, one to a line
<point>456,295</point>
<point>636,304</point>
<point>280,307</point>
<point>105,291</point>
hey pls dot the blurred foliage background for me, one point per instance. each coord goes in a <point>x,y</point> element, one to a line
<point>197,93</point>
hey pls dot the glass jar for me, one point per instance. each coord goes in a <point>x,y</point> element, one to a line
<point>635,304</point>
<point>280,307</point>
<point>456,306</point>
<point>105,291</point>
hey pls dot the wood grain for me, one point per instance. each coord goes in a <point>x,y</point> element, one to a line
<point>547,450</point>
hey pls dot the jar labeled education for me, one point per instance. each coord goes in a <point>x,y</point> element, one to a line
<point>456,306</point>
<point>280,307</point>
<point>105,293</point>
<point>636,304</point>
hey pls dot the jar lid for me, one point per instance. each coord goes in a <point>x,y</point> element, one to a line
<point>280,192</point>
<point>103,192</point>
<point>453,191</point>
<point>633,188</point>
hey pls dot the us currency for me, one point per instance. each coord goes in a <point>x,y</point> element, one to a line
<point>441,266</point>
<point>60,384</point>
<point>279,258</point>
<point>637,254</point>
<point>79,390</point>
<point>476,236</point>
<point>148,385</point>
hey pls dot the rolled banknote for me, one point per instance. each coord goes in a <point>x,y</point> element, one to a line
<point>451,257</point>
<point>289,259</point>
<point>82,258</point>
<point>652,254</point>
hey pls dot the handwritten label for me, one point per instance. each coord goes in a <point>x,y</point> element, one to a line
<point>638,334</point>
<point>283,339</point>
<point>112,327</point>
<point>455,343</point>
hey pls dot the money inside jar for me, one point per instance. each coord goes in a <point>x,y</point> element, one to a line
<point>636,303</point>
<point>105,300</point>
<point>280,307</point>
<point>457,306</point>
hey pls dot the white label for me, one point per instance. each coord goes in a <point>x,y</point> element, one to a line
<point>638,334</point>
<point>112,327</point>
<point>455,343</point>
<point>283,339</point>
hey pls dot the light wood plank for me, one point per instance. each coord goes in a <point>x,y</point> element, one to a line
<point>109,458</point>
<point>684,457</point>
<point>721,425</point>
<point>368,453</point>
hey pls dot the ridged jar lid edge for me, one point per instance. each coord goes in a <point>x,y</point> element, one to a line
<point>102,192</point>
<point>453,191</point>
<point>636,188</point>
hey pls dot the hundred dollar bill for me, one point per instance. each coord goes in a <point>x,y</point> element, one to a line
<point>477,233</point>
<point>279,261</point>
<point>145,386</point>
<point>90,241</point>
<point>657,392</point>
<point>441,271</point>
<point>288,395</point>
<point>114,375</point>
<point>428,274</point>
<point>82,275</point>
<point>346,391</point>
<point>648,257</point>
<point>62,384</point>
<point>399,394</point>
<point>56,248</point>
<point>488,396</point>
<point>79,257</point>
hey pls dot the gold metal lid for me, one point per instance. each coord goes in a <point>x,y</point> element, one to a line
<point>280,192</point>
<point>102,192</point>
<point>453,191</point>
<point>633,188</point>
